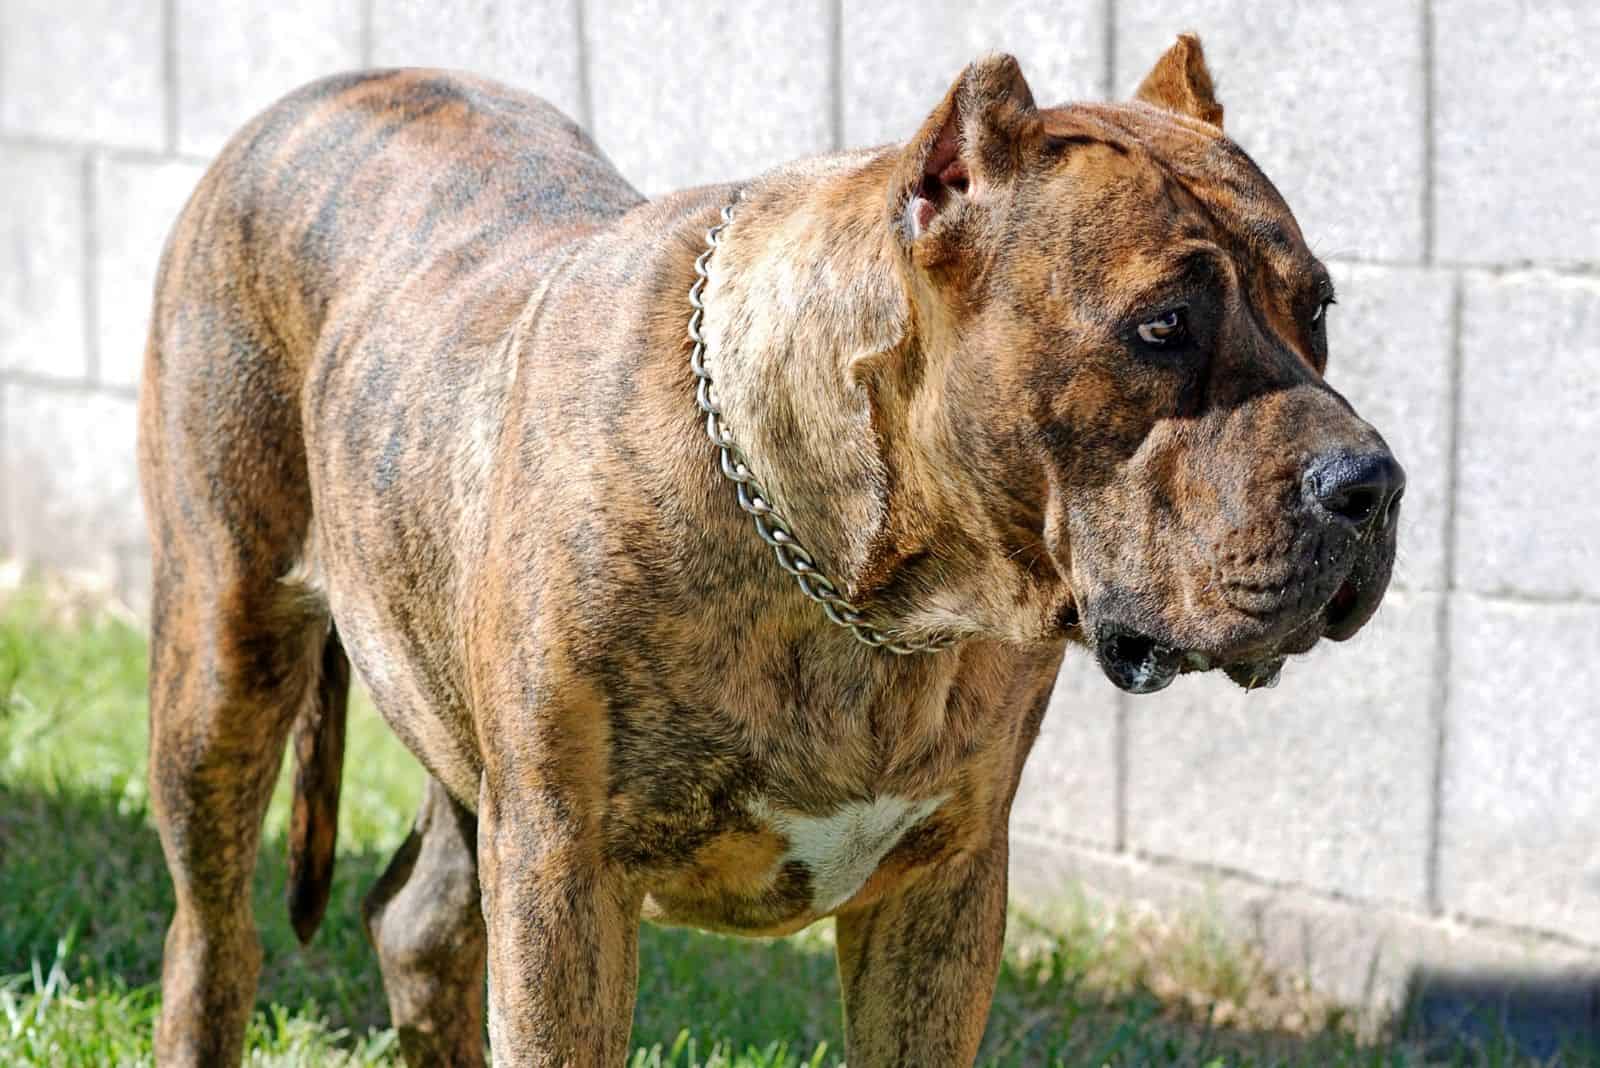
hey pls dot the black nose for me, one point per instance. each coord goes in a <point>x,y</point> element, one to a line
<point>1356,487</point>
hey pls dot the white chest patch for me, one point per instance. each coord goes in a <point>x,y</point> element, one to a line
<point>843,849</point>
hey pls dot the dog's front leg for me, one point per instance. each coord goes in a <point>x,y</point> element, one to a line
<point>563,932</point>
<point>918,969</point>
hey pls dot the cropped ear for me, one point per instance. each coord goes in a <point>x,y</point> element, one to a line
<point>971,141</point>
<point>1180,82</point>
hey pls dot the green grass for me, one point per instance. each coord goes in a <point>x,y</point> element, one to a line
<point>84,900</point>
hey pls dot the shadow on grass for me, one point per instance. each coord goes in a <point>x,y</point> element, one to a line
<point>1540,1015</point>
<point>82,876</point>
<point>86,869</point>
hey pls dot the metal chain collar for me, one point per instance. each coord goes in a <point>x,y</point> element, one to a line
<point>773,528</point>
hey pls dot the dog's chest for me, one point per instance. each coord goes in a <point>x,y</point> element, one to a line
<point>840,851</point>
<point>775,868</point>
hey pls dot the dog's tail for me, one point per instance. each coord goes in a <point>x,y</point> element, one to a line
<point>319,764</point>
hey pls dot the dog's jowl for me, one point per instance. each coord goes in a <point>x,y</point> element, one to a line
<point>426,395</point>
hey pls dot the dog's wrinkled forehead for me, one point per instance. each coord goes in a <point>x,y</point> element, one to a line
<point>1140,197</point>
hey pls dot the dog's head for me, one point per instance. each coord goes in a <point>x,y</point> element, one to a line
<point>1130,337</point>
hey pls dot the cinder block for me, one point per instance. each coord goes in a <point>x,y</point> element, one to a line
<point>1326,97</point>
<point>234,59</point>
<point>532,45</point>
<point>726,92</point>
<point>1324,782</point>
<point>88,71</point>
<point>1521,799</point>
<point>1389,354</point>
<point>1516,131</point>
<point>69,474</point>
<point>1526,508</point>
<point>42,262</point>
<point>900,58</point>
<point>135,206</point>
<point>1069,785</point>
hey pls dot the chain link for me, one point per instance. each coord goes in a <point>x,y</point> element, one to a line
<point>773,528</point>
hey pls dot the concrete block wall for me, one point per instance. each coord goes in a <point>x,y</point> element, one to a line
<point>1424,794</point>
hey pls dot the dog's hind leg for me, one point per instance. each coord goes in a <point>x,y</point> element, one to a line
<point>235,649</point>
<point>229,668</point>
<point>425,918</point>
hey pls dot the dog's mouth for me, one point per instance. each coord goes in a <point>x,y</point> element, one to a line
<point>1137,662</point>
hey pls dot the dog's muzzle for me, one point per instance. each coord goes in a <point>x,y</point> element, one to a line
<point>1351,503</point>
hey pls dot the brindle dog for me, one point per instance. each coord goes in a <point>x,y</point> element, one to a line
<point>418,393</point>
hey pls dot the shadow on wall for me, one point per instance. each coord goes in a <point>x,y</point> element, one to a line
<point>1539,1016</point>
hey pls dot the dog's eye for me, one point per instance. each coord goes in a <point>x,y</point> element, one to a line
<point>1168,330</point>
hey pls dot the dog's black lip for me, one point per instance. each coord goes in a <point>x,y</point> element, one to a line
<point>1254,664</point>
<point>1136,662</point>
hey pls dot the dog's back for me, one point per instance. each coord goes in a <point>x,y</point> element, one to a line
<point>324,207</point>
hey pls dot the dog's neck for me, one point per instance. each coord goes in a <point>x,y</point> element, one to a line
<point>834,398</point>
<point>802,288</point>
